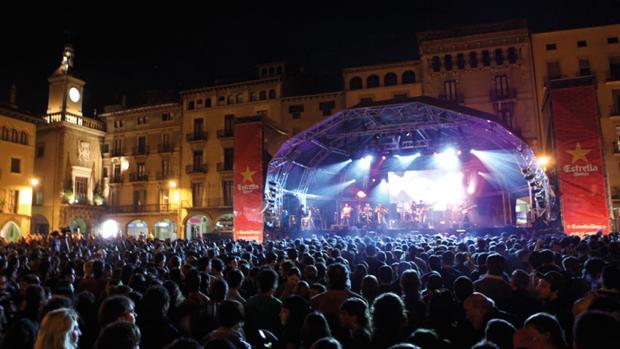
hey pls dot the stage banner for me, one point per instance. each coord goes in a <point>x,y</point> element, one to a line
<point>579,157</point>
<point>248,181</point>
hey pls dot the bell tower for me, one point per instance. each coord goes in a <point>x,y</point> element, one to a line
<point>65,90</point>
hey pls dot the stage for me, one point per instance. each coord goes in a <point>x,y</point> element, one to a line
<point>423,166</point>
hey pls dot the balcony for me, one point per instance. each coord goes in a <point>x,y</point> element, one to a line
<point>156,208</point>
<point>165,148</point>
<point>224,167</point>
<point>224,133</point>
<point>196,168</point>
<point>117,152</point>
<point>138,177</point>
<point>208,203</point>
<point>137,151</point>
<point>116,179</point>
<point>458,98</point>
<point>197,137</point>
<point>160,176</point>
<point>502,95</point>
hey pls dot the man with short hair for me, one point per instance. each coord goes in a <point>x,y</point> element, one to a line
<point>262,311</point>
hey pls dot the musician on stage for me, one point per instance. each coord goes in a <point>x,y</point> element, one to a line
<point>367,214</point>
<point>345,214</point>
<point>381,213</point>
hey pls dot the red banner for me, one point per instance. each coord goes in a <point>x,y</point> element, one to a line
<point>581,170</point>
<point>248,181</point>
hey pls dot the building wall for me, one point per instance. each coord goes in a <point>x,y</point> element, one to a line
<point>159,186</point>
<point>567,48</point>
<point>21,148</point>
<point>302,112</point>
<point>504,87</point>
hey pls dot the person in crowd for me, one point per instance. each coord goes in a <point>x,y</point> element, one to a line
<point>292,315</point>
<point>59,330</point>
<point>389,320</point>
<point>355,317</point>
<point>119,335</point>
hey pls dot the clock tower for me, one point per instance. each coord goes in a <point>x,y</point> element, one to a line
<point>65,90</point>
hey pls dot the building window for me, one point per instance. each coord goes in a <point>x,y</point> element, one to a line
<point>14,136</point>
<point>239,98</point>
<point>104,172</point>
<point>81,189</point>
<point>355,83</point>
<point>190,105</point>
<point>253,97</point>
<point>198,127</point>
<point>550,47</point>
<point>139,198</point>
<point>584,67</point>
<point>13,201</point>
<point>231,99</point>
<point>229,125</point>
<point>272,94</point>
<point>460,61</point>
<point>141,145</point>
<point>116,172</point>
<point>436,64</point>
<point>512,55</point>
<point>164,198</point>
<point>327,107</point>
<point>16,165</point>
<point>582,43</point>
<point>473,59</point>
<point>553,70</point>
<point>616,102</point>
<point>408,77</point>
<point>505,115</point>
<point>197,157</point>
<point>486,58</point>
<point>197,195</point>
<point>165,168</point>
<point>199,103</point>
<point>166,117</point>
<point>208,103</point>
<point>118,147</point>
<point>37,200</point>
<point>450,92</point>
<point>229,158</point>
<point>614,68</point>
<point>5,133</point>
<point>227,188</point>
<point>40,150</point>
<point>501,86</point>
<point>296,110</point>
<point>23,138</point>
<point>499,56</point>
<point>612,40</point>
<point>221,100</point>
<point>390,79</point>
<point>447,62</point>
<point>142,120</point>
<point>140,169</point>
<point>262,95</point>
<point>372,81</point>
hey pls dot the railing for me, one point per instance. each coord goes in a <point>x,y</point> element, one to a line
<point>224,133</point>
<point>197,136</point>
<point>143,208</point>
<point>196,168</point>
<point>207,203</point>
<point>140,150</point>
<point>160,176</point>
<point>116,180</point>
<point>499,95</point>
<point>138,177</point>
<point>165,148</point>
<point>222,166</point>
<point>74,119</point>
<point>117,152</point>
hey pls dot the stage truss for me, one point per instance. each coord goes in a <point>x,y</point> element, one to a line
<point>419,124</point>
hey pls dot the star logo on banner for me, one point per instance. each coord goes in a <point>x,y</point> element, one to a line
<point>247,175</point>
<point>578,153</point>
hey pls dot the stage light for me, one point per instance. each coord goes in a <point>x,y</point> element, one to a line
<point>544,160</point>
<point>383,157</point>
<point>447,159</point>
<point>109,229</point>
<point>360,194</point>
<point>374,180</point>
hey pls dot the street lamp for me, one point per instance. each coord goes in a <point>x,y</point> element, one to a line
<point>34,182</point>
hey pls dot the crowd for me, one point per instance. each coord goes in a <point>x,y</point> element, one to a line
<point>517,290</point>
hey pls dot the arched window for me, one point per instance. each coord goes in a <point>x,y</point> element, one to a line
<point>5,133</point>
<point>253,96</point>
<point>372,81</point>
<point>408,77</point>
<point>499,56</point>
<point>436,64</point>
<point>447,62</point>
<point>473,59</point>
<point>512,55</point>
<point>221,100</point>
<point>272,94</point>
<point>390,79</point>
<point>14,136</point>
<point>355,83</point>
<point>239,98</point>
<point>190,105</point>
<point>23,138</point>
<point>231,99</point>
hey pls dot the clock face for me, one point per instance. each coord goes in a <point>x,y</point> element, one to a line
<point>74,94</point>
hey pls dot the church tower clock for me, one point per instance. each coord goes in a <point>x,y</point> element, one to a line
<point>65,94</point>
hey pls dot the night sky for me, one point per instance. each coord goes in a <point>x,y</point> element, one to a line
<point>121,51</point>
